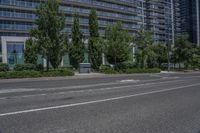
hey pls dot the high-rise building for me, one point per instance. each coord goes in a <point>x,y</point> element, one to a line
<point>186,14</point>
<point>17,17</point>
<point>158,19</point>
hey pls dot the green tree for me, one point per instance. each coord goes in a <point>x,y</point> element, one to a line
<point>161,52</point>
<point>195,61</point>
<point>117,44</point>
<point>144,49</point>
<point>152,57</point>
<point>48,32</point>
<point>95,42</point>
<point>30,53</point>
<point>77,49</point>
<point>93,24</point>
<point>182,49</point>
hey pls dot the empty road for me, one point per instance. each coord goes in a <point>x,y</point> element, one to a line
<point>147,103</point>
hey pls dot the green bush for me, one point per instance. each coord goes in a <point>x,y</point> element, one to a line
<point>25,67</point>
<point>58,72</point>
<point>4,67</point>
<point>39,67</point>
<point>35,74</point>
<point>125,65</point>
<point>107,69</point>
<point>140,70</point>
<point>20,74</point>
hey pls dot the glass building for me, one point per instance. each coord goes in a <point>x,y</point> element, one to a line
<point>17,17</point>
<point>158,19</point>
<point>186,13</point>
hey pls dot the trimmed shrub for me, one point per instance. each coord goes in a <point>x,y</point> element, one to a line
<point>4,67</point>
<point>125,65</point>
<point>40,67</point>
<point>140,70</point>
<point>35,74</point>
<point>107,69</point>
<point>58,72</point>
<point>19,74</point>
<point>25,67</point>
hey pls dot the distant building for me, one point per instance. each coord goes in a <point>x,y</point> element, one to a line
<point>186,14</point>
<point>158,18</point>
<point>17,17</point>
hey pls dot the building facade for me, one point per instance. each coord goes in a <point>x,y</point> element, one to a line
<point>17,18</point>
<point>186,13</point>
<point>158,19</point>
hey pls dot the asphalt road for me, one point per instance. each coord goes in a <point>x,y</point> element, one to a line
<point>149,103</point>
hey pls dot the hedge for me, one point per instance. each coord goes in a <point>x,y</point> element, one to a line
<point>4,67</point>
<point>25,67</point>
<point>35,74</point>
<point>109,70</point>
<point>140,70</point>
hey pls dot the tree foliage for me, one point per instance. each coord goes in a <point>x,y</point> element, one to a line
<point>117,44</point>
<point>182,49</point>
<point>145,55</point>
<point>95,42</point>
<point>30,53</point>
<point>195,61</point>
<point>160,50</point>
<point>77,49</point>
<point>48,32</point>
<point>93,24</point>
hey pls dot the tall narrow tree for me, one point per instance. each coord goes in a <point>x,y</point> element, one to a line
<point>93,24</point>
<point>30,54</point>
<point>76,52</point>
<point>48,32</point>
<point>95,43</point>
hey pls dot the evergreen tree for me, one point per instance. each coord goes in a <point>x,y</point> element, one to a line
<point>30,53</point>
<point>93,24</point>
<point>95,43</point>
<point>48,33</point>
<point>76,52</point>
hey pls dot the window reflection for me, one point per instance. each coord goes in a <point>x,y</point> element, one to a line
<point>15,53</point>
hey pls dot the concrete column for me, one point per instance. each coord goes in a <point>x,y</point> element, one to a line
<point>4,50</point>
<point>103,59</point>
<point>45,62</point>
<point>62,62</point>
<point>173,29</point>
<point>198,25</point>
<point>143,13</point>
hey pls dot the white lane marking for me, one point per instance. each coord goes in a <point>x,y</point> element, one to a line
<point>82,86</point>
<point>87,90</point>
<point>86,86</point>
<point>127,86</point>
<point>96,101</point>
<point>129,80</point>
<point>170,77</point>
<point>15,90</point>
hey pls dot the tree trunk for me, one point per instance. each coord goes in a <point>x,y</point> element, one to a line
<point>47,63</point>
<point>115,61</point>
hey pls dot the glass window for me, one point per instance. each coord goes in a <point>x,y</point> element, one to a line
<point>15,53</point>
